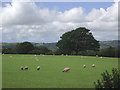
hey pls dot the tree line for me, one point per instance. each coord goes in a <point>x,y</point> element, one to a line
<point>75,42</point>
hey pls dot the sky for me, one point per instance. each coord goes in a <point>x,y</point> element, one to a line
<point>47,21</point>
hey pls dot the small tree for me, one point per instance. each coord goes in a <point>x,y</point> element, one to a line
<point>109,80</point>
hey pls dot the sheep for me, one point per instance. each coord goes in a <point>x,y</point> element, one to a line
<point>62,54</point>
<point>38,68</point>
<point>26,68</point>
<point>93,65</point>
<point>96,55</point>
<point>36,59</point>
<point>66,69</point>
<point>100,57</point>
<point>10,56</point>
<point>84,66</point>
<point>21,68</point>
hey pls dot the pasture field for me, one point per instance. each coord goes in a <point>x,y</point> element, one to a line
<point>50,74</point>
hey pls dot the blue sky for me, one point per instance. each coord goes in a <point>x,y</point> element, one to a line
<point>62,6</point>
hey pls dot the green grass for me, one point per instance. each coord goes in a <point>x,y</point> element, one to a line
<point>51,75</point>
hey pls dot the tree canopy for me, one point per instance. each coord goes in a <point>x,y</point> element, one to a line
<point>80,39</point>
<point>40,50</point>
<point>24,47</point>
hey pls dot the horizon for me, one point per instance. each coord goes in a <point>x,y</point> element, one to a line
<point>49,42</point>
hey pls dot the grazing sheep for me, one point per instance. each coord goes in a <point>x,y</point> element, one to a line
<point>66,69</point>
<point>38,68</point>
<point>21,67</point>
<point>96,55</point>
<point>26,68</point>
<point>10,56</point>
<point>84,66</point>
<point>62,54</point>
<point>93,65</point>
<point>100,57</point>
<point>36,59</point>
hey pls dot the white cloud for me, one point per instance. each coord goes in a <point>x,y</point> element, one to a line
<point>26,21</point>
<point>21,13</point>
<point>116,0</point>
<point>73,15</point>
<point>95,14</point>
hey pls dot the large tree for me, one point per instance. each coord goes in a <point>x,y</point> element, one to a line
<point>24,47</point>
<point>80,39</point>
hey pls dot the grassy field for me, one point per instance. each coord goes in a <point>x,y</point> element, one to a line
<point>51,75</point>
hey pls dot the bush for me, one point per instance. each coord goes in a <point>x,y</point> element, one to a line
<point>82,53</point>
<point>73,53</point>
<point>109,52</point>
<point>109,80</point>
<point>8,51</point>
<point>90,53</point>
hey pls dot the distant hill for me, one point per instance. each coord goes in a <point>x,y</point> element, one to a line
<point>8,45</point>
<point>52,46</point>
<point>114,43</point>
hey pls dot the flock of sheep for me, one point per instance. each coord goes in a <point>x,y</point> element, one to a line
<point>67,69</point>
<point>26,68</point>
<point>64,70</point>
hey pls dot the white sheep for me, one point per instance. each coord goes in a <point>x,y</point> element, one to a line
<point>66,69</point>
<point>62,54</point>
<point>21,68</point>
<point>84,66</point>
<point>100,57</point>
<point>11,56</point>
<point>93,65</point>
<point>38,68</point>
<point>26,67</point>
<point>36,59</point>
